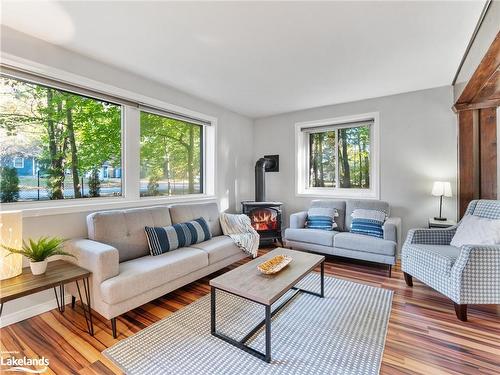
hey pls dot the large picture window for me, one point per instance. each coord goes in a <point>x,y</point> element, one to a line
<point>69,144</point>
<point>337,158</point>
<point>171,156</point>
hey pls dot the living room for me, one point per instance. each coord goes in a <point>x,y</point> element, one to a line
<point>167,168</point>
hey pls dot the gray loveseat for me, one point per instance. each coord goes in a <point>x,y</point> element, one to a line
<point>125,275</point>
<point>341,241</point>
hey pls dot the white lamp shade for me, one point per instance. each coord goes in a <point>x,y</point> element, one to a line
<point>11,231</point>
<point>440,188</point>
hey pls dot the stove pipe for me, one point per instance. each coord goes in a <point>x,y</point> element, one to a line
<point>260,178</point>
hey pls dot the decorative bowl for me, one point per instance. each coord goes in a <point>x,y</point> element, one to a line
<point>274,264</point>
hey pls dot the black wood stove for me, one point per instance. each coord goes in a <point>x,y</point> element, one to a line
<point>265,215</point>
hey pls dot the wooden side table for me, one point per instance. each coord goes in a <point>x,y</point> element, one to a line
<point>57,275</point>
<point>433,223</point>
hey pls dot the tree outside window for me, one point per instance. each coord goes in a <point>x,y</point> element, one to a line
<point>63,138</point>
<point>171,156</point>
<point>340,158</point>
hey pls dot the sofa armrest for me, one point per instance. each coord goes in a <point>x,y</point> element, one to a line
<point>298,220</point>
<point>99,258</point>
<point>476,275</point>
<point>392,229</point>
<point>431,236</point>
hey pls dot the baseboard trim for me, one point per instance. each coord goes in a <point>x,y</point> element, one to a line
<point>31,311</point>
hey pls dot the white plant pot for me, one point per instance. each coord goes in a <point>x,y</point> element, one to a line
<point>38,268</point>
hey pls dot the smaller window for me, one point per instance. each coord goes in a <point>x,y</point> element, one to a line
<point>171,156</point>
<point>338,157</point>
<point>18,162</point>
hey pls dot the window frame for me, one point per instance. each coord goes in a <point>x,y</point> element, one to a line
<point>302,152</point>
<point>130,148</point>
<point>14,162</point>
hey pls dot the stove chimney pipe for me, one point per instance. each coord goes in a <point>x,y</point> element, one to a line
<point>260,178</point>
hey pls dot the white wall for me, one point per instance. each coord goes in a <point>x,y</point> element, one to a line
<point>418,144</point>
<point>234,160</point>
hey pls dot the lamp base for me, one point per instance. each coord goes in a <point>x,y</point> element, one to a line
<point>440,218</point>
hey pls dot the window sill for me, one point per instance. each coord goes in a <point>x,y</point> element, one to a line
<point>339,193</point>
<point>47,208</point>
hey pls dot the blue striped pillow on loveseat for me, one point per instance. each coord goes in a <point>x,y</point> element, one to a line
<point>164,239</point>
<point>368,222</point>
<point>321,218</point>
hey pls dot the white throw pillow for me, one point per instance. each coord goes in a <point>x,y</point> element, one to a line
<point>475,230</point>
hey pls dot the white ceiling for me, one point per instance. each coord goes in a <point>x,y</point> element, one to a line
<point>264,58</point>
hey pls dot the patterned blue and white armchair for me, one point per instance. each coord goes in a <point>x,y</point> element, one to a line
<point>466,275</point>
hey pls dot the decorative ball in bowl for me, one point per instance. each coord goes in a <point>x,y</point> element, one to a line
<point>275,264</point>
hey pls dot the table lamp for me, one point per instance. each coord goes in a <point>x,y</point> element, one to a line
<point>441,189</point>
<point>11,232</point>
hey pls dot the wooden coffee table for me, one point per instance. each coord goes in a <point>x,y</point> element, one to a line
<point>247,282</point>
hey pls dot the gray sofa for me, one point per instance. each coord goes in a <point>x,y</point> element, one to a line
<point>341,241</point>
<point>125,275</point>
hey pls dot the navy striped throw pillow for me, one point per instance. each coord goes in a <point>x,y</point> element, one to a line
<point>321,218</point>
<point>368,222</point>
<point>164,239</point>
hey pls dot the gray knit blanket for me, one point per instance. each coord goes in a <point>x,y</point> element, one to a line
<point>240,229</point>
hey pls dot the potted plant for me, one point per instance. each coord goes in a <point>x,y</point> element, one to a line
<point>37,251</point>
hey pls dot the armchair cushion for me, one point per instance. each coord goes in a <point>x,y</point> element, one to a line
<point>475,230</point>
<point>440,258</point>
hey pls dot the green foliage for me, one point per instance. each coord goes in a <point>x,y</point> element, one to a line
<point>348,156</point>
<point>153,185</point>
<point>9,185</point>
<point>94,184</point>
<point>40,249</point>
<point>170,149</point>
<point>66,131</point>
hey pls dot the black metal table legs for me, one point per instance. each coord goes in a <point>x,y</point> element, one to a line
<point>86,306</point>
<point>60,305</point>
<point>241,344</point>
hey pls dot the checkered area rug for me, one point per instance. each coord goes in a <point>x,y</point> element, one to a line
<point>343,333</point>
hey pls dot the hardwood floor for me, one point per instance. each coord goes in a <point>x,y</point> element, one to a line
<point>424,335</point>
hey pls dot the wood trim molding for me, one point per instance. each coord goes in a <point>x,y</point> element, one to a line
<point>488,153</point>
<point>483,89</point>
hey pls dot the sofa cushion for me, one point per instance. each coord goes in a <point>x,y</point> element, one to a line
<point>218,248</point>
<point>181,213</point>
<point>124,229</point>
<point>369,244</point>
<point>164,239</point>
<point>321,218</point>
<point>335,204</point>
<point>314,236</point>
<point>437,257</point>
<point>367,204</point>
<point>368,222</point>
<point>142,274</point>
